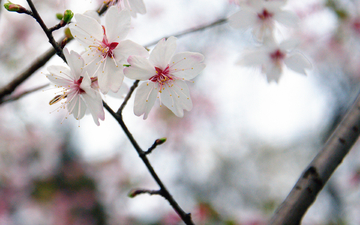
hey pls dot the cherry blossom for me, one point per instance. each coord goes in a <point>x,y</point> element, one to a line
<point>134,6</point>
<point>260,15</point>
<point>76,88</point>
<point>106,51</point>
<point>272,56</point>
<point>165,74</point>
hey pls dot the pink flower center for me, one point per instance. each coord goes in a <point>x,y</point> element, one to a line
<point>265,15</point>
<point>162,76</point>
<point>106,48</point>
<point>77,84</point>
<point>277,56</point>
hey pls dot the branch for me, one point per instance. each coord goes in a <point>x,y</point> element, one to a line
<point>48,32</point>
<point>14,98</point>
<point>132,89</point>
<point>192,30</point>
<point>313,179</point>
<point>41,61</point>
<point>186,217</point>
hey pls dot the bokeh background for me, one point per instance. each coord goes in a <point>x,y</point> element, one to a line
<point>231,160</point>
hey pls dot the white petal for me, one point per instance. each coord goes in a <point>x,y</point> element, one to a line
<point>117,24</point>
<point>140,68</point>
<point>289,44</point>
<point>93,14</point>
<point>86,86</point>
<point>176,97</point>
<point>253,58</point>
<point>138,6</point>
<point>145,98</point>
<point>60,76</point>
<point>127,48</point>
<point>95,106</point>
<point>75,62</point>
<point>86,30</point>
<point>273,72</point>
<point>243,19</point>
<point>124,89</point>
<point>162,53</point>
<point>298,63</point>
<point>286,18</point>
<point>187,65</point>
<point>110,76</point>
<point>76,106</point>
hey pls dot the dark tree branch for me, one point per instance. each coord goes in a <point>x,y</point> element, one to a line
<point>186,217</point>
<point>48,32</point>
<point>313,179</point>
<point>135,192</point>
<point>132,89</point>
<point>156,143</point>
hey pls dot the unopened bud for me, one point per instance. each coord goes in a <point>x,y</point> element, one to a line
<point>160,141</point>
<point>9,6</point>
<point>59,16</point>
<point>68,33</point>
<point>134,192</point>
<point>68,15</point>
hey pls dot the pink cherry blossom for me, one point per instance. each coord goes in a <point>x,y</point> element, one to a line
<point>260,15</point>
<point>272,57</point>
<point>106,51</point>
<point>165,74</point>
<point>76,88</point>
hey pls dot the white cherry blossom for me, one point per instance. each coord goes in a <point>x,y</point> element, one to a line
<point>260,15</point>
<point>76,88</point>
<point>106,51</point>
<point>165,74</point>
<point>272,57</point>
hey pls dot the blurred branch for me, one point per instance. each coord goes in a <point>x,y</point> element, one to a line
<point>156,143</point>
<point>41,61</point>
<point>18,96</point>
<point>186,217</point>
<point>134,193</point>
<point>313,179</point>
<point>192,30</point>
<point>132,89</point>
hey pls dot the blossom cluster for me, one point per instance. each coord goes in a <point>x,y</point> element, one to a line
<point>108,57</point>
<point>262,16</point>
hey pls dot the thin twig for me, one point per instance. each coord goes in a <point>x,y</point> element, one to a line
<point>18,96</point>
<point>48,33</point>
<point>186,217</point>
<point>136,192</point>
<point>313,179</point>
<point>191,30</point>
<point>132,89</point>
<point>157,142</point>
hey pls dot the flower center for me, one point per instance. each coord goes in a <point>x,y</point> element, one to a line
<point>77,84</point>
<point>161,76</point>
<point>105,47</point>
<point>277,56</point>
<point>265,15</point>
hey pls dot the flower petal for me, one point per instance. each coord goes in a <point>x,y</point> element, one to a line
<point>86,30</point>
<point>137,6</point>
<point>140,68</point>
<point>243,19</point>
<point>117,24</point>
<point>76,106</point>
<point>75,62</point>
<point>110,76</point>
<point>286,18</point>
<point>60,76</point>
<point>298,63</point>
<point>162,53</point>
<point>176,97</point>
<point>187,65</point>
<point>145,98</point>
<point>127,48</point>
<point>95,107</point>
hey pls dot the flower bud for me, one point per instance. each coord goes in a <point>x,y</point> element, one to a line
<point>11,7</point>
<point>59,16</point>
<point>68,15</point>
<point>160,141</point>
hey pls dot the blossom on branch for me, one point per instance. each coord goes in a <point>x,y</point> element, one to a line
<point>77,88</point>
<point>272,56</point>
<point>106,51</point>
<point>165,75</point>
<point>260,15</point>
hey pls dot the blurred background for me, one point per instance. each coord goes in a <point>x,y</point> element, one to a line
<point>231,160</point>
